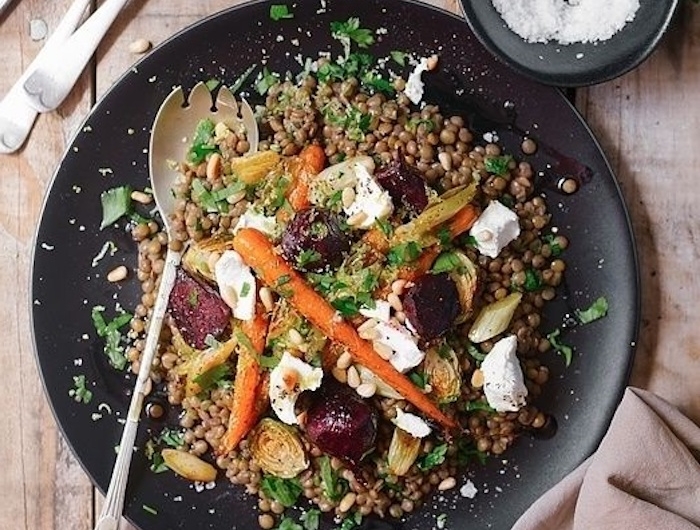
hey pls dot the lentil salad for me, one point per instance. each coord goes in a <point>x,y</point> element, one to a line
<point>331,113</point>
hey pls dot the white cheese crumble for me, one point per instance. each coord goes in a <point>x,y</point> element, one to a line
<point>504,384</point>
<point>236,284</point>
<point>496,227</point>
<point>405,352</point>
<point>414,84</point>
<point>381,311</point>
<point>370,199</point>
<point>412,424</point>
<point>468,490</point>
<point>288,380</point>
<point>253,219</point>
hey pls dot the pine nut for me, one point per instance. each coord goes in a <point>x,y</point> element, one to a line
<point>357,219</point>
<point>447,484</point>
<point>340,375</point>
<point>369,334</point>
<point>477,378</point>
<point>395,301</point>
<point>139,46</point>
<point>266,298</point>
<point>348,197</point>
<point>366,390</point>
<point>445,160</point>
<point>400,316</point>
<point>347,502</point>
<point>141,197</point>
<point>367,325</point>
<point>295,337</point>
<point>398,286</point>
<point>118,274</point>
<point>344,361</point>
<point>214,166</point>
<point>353,377</point>
<point>384,351</point>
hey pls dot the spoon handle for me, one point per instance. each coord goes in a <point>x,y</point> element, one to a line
<point>114,500</point>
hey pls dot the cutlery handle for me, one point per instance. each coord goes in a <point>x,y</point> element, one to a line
<point>49,84</point>
<point>114,500</point>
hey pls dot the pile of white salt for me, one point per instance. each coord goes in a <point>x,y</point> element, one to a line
<point>566,21</point>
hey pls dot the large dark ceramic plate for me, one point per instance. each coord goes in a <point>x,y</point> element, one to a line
<point>576,64</point>
<point>110,150</point>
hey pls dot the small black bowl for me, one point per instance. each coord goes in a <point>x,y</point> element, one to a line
<point>578,64</point>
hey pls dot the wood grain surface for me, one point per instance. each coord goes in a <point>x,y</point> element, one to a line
<point>648,123</point>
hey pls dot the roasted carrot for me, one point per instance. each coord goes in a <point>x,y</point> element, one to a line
<point>247,386</point>
<point>307,165</point>
<point>258,252</point>
<point>463,220</point>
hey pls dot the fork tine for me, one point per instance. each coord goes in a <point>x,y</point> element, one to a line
<point>251,126</point>
<point>226,100</point>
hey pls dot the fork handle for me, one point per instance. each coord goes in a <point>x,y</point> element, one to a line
<point>114,500</point>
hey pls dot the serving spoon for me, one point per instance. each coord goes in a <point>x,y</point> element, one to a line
<point>176,120</point>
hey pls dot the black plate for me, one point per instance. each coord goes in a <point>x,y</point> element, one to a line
<point>576,64</point>
<point>109,150</point>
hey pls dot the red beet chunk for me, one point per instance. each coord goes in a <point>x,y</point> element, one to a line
<point>341,423</point>
<point>432,305</point>
<point>405,185</point>
<point>197,309</point>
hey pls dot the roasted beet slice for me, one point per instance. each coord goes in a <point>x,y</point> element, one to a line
<point>341,423</point>
<point>197,309</point>
<point>431,305</point>
<point>313,240</point>
<point>405,185</point>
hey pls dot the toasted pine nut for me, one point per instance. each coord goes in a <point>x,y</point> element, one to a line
<point>367,325</point>
<point>366,390</point>
<point>348,197</point>
<point>400,316</point>
<point>340,375</point>
<point>347,502</point>
<point>141,197</point>
<point>369,334</point>
<point>357,219</point>
<point>117,274</point>
<point>384,351</point>
<point>447,484</point>
<point>139,46</point>
<point>214,165</point>
<point>477,378</point>
<point>395,301</point>
<point>353,377</point>
<point>398,286</point>
<point>344,361</point>
<point>266,298</point>
<point>445,160</point>
<point>295,337</point>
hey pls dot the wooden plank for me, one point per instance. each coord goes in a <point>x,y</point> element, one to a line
<point>648,123</point>
<point>42,485</point>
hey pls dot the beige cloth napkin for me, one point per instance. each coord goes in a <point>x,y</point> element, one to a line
<point>644,475</point>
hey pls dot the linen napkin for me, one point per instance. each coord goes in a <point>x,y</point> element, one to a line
<point>644,475</point>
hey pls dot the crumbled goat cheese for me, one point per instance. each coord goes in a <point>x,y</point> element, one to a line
<point>468,490</point>
<point>405,352</point>
<point>566,21</point>
<point>288,380</point>
<point>236,284</point>
<point>414,85</point>
<point>496,227</point>
<point>412,424</point>
<point>370,199</point>
<point>381,311</point>
<point>504,384</point>
<point>253,219</point>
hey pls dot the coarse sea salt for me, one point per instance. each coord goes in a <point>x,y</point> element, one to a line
<point>566,21</point>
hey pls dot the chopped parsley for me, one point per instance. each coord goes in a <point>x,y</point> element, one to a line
<point>116,202</point>
<point>562,349</point>
<point>307,257</point>
<point>433,458</point>
<point>554,247</point>
<point>80,392</point>
<point>203,142</point>
<point>311,519</point>
<point>386,227</point>
<point>110,331</point>
<point>265,80</point>
<point>280,12</point>
<point>403,253</point>
<point>214,201</point>
<point>333,487</point>
<point>212,84</point>
<point>245,290</point>
<point>418,379</point>
<point>466,452</point>
<point>478,404</point>
<point>149,509</point>
<point>498,165</point>
<point>351,31</point>
<point>533,280</point>
<point>214,377</point>
<point>172,437</point>
<point>284,279</point>
<point>284,491</point>
<point>351,521</point>
<point>597,310</point>
<point>447,262</point>
<point>399,57</point>
<point>289,524</point>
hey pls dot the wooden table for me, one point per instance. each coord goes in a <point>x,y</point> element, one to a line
<point>648,123</point>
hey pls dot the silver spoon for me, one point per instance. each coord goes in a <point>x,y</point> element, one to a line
<point>173,123</point>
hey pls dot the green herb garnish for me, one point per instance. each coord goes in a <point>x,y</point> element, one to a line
<point>350,30</point>
<point>554,247</point>
<point>266,79</point>
<point>213,377</point>
<point>116,202</point>
<point>386,227</point>
<point>478,404</point>
<point>597,310</point>
<point>399,57</point>
<point>279,12</point>
<point>447,262</point>
<point>433,458</point>
<point>80,392</point>
<point>110,331</point>
<point>284,491</point>
<point>311,519</point>
<point>533,280</point>
<point>289,524</point>
<point>352,521</point>
<point>418,379</point>
<point>403,253</point>
<point>498,165</point>
<point>203,142</point>
<point>307,257</point>
<point>562,349</point>
<point>334,487</point>
<point>148,509</point>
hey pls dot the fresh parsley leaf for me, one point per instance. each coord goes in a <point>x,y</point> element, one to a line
<point>213,377</point>
<point>533,280</point>
<point>350,30</point>
<point>284,491</point>
<point>116,202</point>
<point>172,438</point>
<point>555,248</point>
<point>478,404</point>
<point>311,519</point>
<point>202,142</point>
<point>352,521</point>
<point>444,235</point>
<point>212,84</point>
<point>80,392</point>
<point>346,306</point>
<point>447,262</point>
<point>597,310</point>
<point>245,290</point>
<point>158,463</point>
<point>498,165</point>
<point>562,349</point>
<point>110,331</point>
<point>269,362</point>
<point>238,83</point>
<point>403,253</point>
<point>279,12</point>
<point>433,458</point>
<point>466,452</point>
<point>266,79</point>
<point>399,57</point>
<point>386,227</point>
<point>334,488</point>
<point>289,524</point>
<point>418,379</point>
<point>307,256</point>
